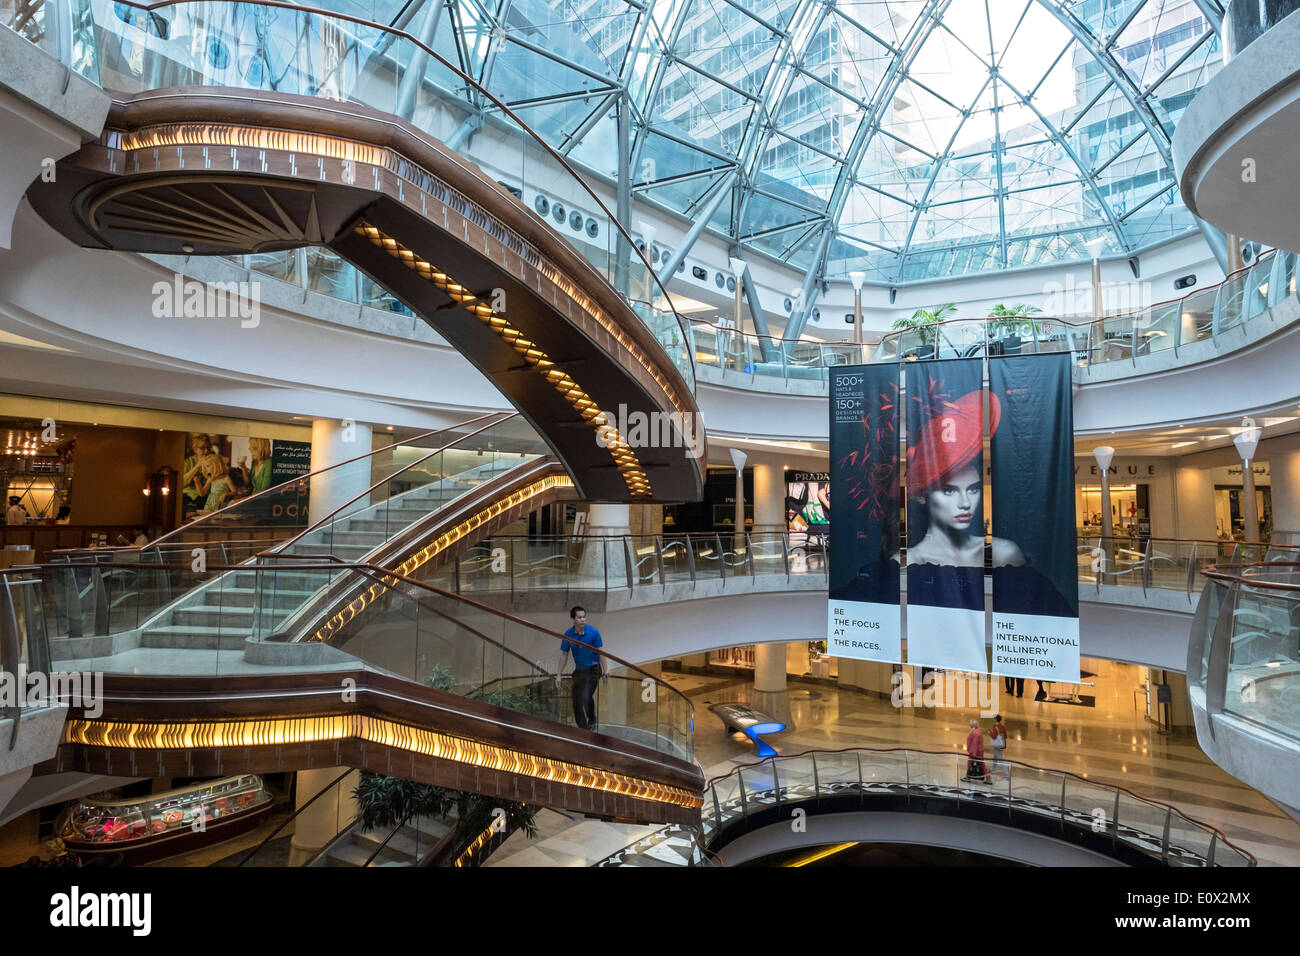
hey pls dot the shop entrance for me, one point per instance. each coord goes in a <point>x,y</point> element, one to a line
<point>1130,510</point>
<point>1230,512</point>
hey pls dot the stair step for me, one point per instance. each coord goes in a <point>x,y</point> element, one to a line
<point>402,844</point>
<point>244,597</point>
<point>195,638</point>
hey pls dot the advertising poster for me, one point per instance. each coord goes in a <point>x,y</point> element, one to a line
<point>864,618</point>
<point>220,470</point>
<point>945,514</point>
<point>1035,573</point>
<point>808,508</point>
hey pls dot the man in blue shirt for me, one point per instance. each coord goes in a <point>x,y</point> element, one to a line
<point>588,667</point>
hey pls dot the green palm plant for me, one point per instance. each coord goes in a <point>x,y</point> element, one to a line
<point>923,322</point>
<point>1009,319</point>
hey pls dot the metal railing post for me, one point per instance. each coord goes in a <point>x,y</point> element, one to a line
<point>776,782</point>
<point>100,598</point>
<point>722,559</point>
<point>1146,568</point>
<point>749,554</point>
<point>629,566</point>
<point>1164,839</point>
<point>785,553</point>
<point>659,559</point>
<point>690,559</point>
<point>10,655</point>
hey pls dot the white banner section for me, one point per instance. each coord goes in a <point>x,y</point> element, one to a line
<point>947,637</point>
<point>1033,645</point>
<point>864,630</point>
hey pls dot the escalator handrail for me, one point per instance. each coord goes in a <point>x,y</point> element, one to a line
<point>293,816</point>
<point>331,563</point>
<point>279,549</point>
<point>499,104</point>
<point>599,651</point>
<point>297,479</point>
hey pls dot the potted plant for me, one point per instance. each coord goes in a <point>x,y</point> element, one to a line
<point>1010,323</point>
<point>388,803</point>
<point>924,322</point>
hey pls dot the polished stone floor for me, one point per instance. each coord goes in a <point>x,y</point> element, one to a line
<point>1109,743</point>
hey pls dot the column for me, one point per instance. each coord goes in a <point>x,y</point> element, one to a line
<point>1194,516</point>
<point>319,823</point>
<point>769,497</point>
<point>334,441</point>
<point>603,561</point>
<point>770,694</point>
<point>1284,478</point>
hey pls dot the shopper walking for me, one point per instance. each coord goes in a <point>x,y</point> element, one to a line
<point>975,754</point>
<point>588,666</point>
<point>998,741</point>
<point>1014,686</point>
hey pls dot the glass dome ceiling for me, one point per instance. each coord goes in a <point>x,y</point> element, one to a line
<point>906,139</point>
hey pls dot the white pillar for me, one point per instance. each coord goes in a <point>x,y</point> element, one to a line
<point>1284,479</point>
<point>769,497</point>
<point>1194,516</point>
<point>334,441</point>
<point>770,694</point>
<point>1249,510</point>
<point>319,823</point>
<point>603,561</point>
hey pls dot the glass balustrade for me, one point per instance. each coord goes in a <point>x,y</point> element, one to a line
<point>771,560</point>
<point>1249,642</point>
<point>1157,830</point>
<point>361,617</point>
<point>1212,313</point>
<point>173,588</point>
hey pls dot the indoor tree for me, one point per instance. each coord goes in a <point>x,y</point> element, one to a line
<point>923,322</point>
<point>1009,319</point>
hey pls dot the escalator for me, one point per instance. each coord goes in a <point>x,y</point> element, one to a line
<point>212,162</point>
<point>228,647</point>
<point>311,659</point>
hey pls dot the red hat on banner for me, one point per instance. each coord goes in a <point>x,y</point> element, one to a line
<point>949,441</point>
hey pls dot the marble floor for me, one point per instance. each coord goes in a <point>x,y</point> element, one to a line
<point>1110,743</point>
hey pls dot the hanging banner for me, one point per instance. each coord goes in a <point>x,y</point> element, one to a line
<point>864,616</point>
<point>945,514</point>
<point>1035,560</point>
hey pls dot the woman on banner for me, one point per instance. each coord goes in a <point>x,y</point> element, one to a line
<point>945,476</point>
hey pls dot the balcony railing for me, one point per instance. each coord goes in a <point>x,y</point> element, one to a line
<point>513,564</point>
<point>1225,313</point>
<point>1244,654</point>
<point>1156,830</point>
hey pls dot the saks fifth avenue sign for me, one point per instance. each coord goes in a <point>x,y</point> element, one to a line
<point>1136,469</point>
